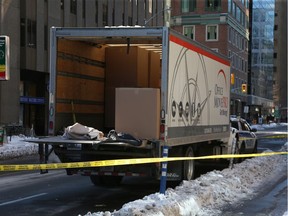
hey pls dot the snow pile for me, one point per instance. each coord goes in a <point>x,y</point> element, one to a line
<point>15,147</point>
<point>208,193</point>
<point>261,127</point>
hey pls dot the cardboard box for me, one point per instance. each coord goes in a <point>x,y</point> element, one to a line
<point>137,112</point>
<point>126,67</point>
<point>154,70</point>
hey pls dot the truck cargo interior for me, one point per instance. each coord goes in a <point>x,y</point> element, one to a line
<point>90,70</point>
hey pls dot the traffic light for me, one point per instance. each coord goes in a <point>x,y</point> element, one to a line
<point>232,79</point>
<point>244,88</point>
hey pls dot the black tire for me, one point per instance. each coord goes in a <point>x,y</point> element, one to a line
<point>95,180</point>
<point>255,150</point>
<point>235,150</point>
<point>189,165</point>
<point>239,150</point>
<point>109,181</point>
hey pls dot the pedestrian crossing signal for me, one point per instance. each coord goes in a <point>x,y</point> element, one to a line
<point>244,88</point>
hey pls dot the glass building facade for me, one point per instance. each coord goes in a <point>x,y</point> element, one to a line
<point>262,51</point>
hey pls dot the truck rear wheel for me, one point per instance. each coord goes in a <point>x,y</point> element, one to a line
<point>255,150</point>
<point>189,165</point>
<point>241,150</point>
<point>111,181</point>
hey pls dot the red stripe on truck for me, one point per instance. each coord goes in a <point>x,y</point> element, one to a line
<point>198,50</point>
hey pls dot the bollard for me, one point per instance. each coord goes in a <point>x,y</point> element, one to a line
<point>163,179</point>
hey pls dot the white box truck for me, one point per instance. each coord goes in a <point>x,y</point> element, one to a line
<point>148,87</point>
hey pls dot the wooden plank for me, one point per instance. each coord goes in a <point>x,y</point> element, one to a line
<point>79,89</point>
<point>66,65</point>
<point>79,108</point>
<point>82,49</point>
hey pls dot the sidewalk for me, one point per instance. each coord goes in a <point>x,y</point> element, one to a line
<point>16,146</point>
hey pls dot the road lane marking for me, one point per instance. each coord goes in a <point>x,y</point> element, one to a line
<point>22,199</point>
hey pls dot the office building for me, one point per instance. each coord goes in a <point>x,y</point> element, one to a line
<point>280,61</point>
<point>260,98</point>
<point>24,97</point>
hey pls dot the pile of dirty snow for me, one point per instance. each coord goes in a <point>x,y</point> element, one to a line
<point>210,192</point>
<point>15,146</point>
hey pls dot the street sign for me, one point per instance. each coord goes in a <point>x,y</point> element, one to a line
<point>4,58</point>
<point>246,109</point>
<point>277,112</point>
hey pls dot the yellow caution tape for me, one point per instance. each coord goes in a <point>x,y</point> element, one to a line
<point>280,136</point>
<point>119,162</point>
<point>276,136</point>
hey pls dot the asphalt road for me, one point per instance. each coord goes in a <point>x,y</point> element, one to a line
<point>272,139</point>
<point>271,200</point>
<point>56,194</point>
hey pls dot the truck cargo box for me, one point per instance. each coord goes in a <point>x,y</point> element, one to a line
<point>89,64</point>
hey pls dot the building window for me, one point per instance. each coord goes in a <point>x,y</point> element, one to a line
<point>62,4</point>
<point>233,9</point>
<point>247,4</point>
<point>188,5</point>
<point>255,44</point>
<point>255,58</point>
<point>73,6</point>
<point>84,9</point>
<point>238,14</point>
<point>229,6</point>
<point>31,33</point>
<point>212,32</point>
<point>46,37</point>
<point>213,5</point>
<point>96,14</point>
<point>215,49</point>
<point>189,31</point>
<point>105,13</point>
<point>23,32</point>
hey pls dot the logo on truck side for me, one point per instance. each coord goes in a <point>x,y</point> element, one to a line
<point>189,92</point>
<point>198,88</point>
<point>221,101</point>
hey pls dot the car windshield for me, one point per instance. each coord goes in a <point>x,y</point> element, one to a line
<point>234,124</point>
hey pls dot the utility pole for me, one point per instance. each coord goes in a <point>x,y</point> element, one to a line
<point>167,12</point>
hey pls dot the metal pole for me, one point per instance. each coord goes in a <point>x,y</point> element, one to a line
<point>167,12</point>
<point>163,179</point>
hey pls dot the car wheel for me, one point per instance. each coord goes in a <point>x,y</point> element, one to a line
<point>235,150</point>
<point>189,165</point>
<point>240,150</point>
<point>255,150</point>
